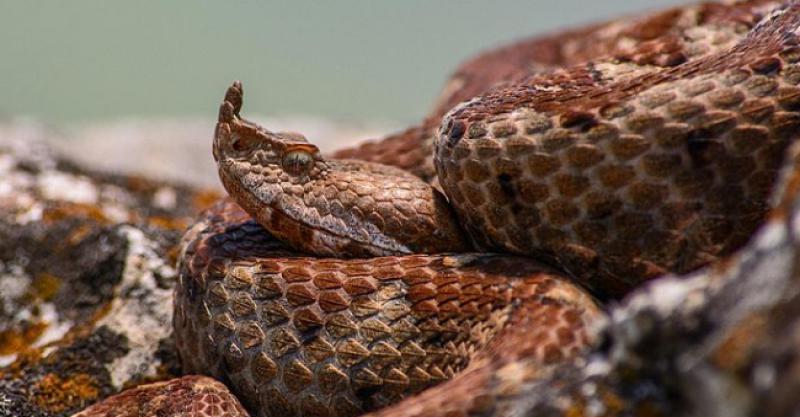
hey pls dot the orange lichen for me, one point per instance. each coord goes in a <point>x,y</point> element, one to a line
<point>648,409</point>
<point>205,199</point>
<point>173,253</point>
<point>790,190</point>
<point>45,286</point>
<point>100,312</point>
<point>56,394</point>
<point>141,184</point>
<point>614,404</point>
<point>19,340</point>
<point>170,223</point>
<point>737,347</point>
<point>63,211</point>
<point>23,362</point>
<point>83,329</point>
<point>77,234</point>
<point>576,410</point>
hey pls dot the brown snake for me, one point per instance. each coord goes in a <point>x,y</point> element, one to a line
<point>614,154</point>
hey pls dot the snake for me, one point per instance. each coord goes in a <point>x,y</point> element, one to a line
<point>427,273</point>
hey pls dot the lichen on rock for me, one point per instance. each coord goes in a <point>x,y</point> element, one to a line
<point>86,278</point>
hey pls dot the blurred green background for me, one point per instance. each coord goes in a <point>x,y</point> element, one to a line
<point>85,61</point>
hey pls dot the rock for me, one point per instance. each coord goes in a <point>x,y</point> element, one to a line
<point>86,277</point>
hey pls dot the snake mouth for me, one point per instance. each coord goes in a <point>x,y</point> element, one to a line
<point>325,241</point>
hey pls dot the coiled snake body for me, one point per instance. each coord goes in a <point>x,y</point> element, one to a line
<point>595,159</point>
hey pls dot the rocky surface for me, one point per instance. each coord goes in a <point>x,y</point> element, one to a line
<point>87,258</point>
<point>86,278</point>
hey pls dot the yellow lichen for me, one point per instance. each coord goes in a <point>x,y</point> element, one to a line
<point>205,199</point>
<point>169,223</point>
<point>57,394</point>
<point>613,403</point>
<point>19,340</point>
<point>23,361</point>
<point>77,234</point>
<point>63,211</point>
<point>45,286</point>
<point>735,349</point>
<point>139,184</point>
<point>648,409</point>
<point>173,253</point>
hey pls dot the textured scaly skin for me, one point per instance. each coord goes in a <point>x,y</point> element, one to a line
<point>295,335</point>
<point>621,173</point>
<point>616,152</point>
<point>189,396</point>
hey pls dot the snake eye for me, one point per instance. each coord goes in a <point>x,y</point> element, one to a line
<point>297,162</point>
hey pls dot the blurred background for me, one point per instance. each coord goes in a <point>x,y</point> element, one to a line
<point>135,85</point>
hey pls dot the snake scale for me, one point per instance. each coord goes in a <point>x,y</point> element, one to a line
<point>424,274</point>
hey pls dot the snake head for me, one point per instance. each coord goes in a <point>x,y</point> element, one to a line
<point>327,207</point>
<point>244,143</point>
